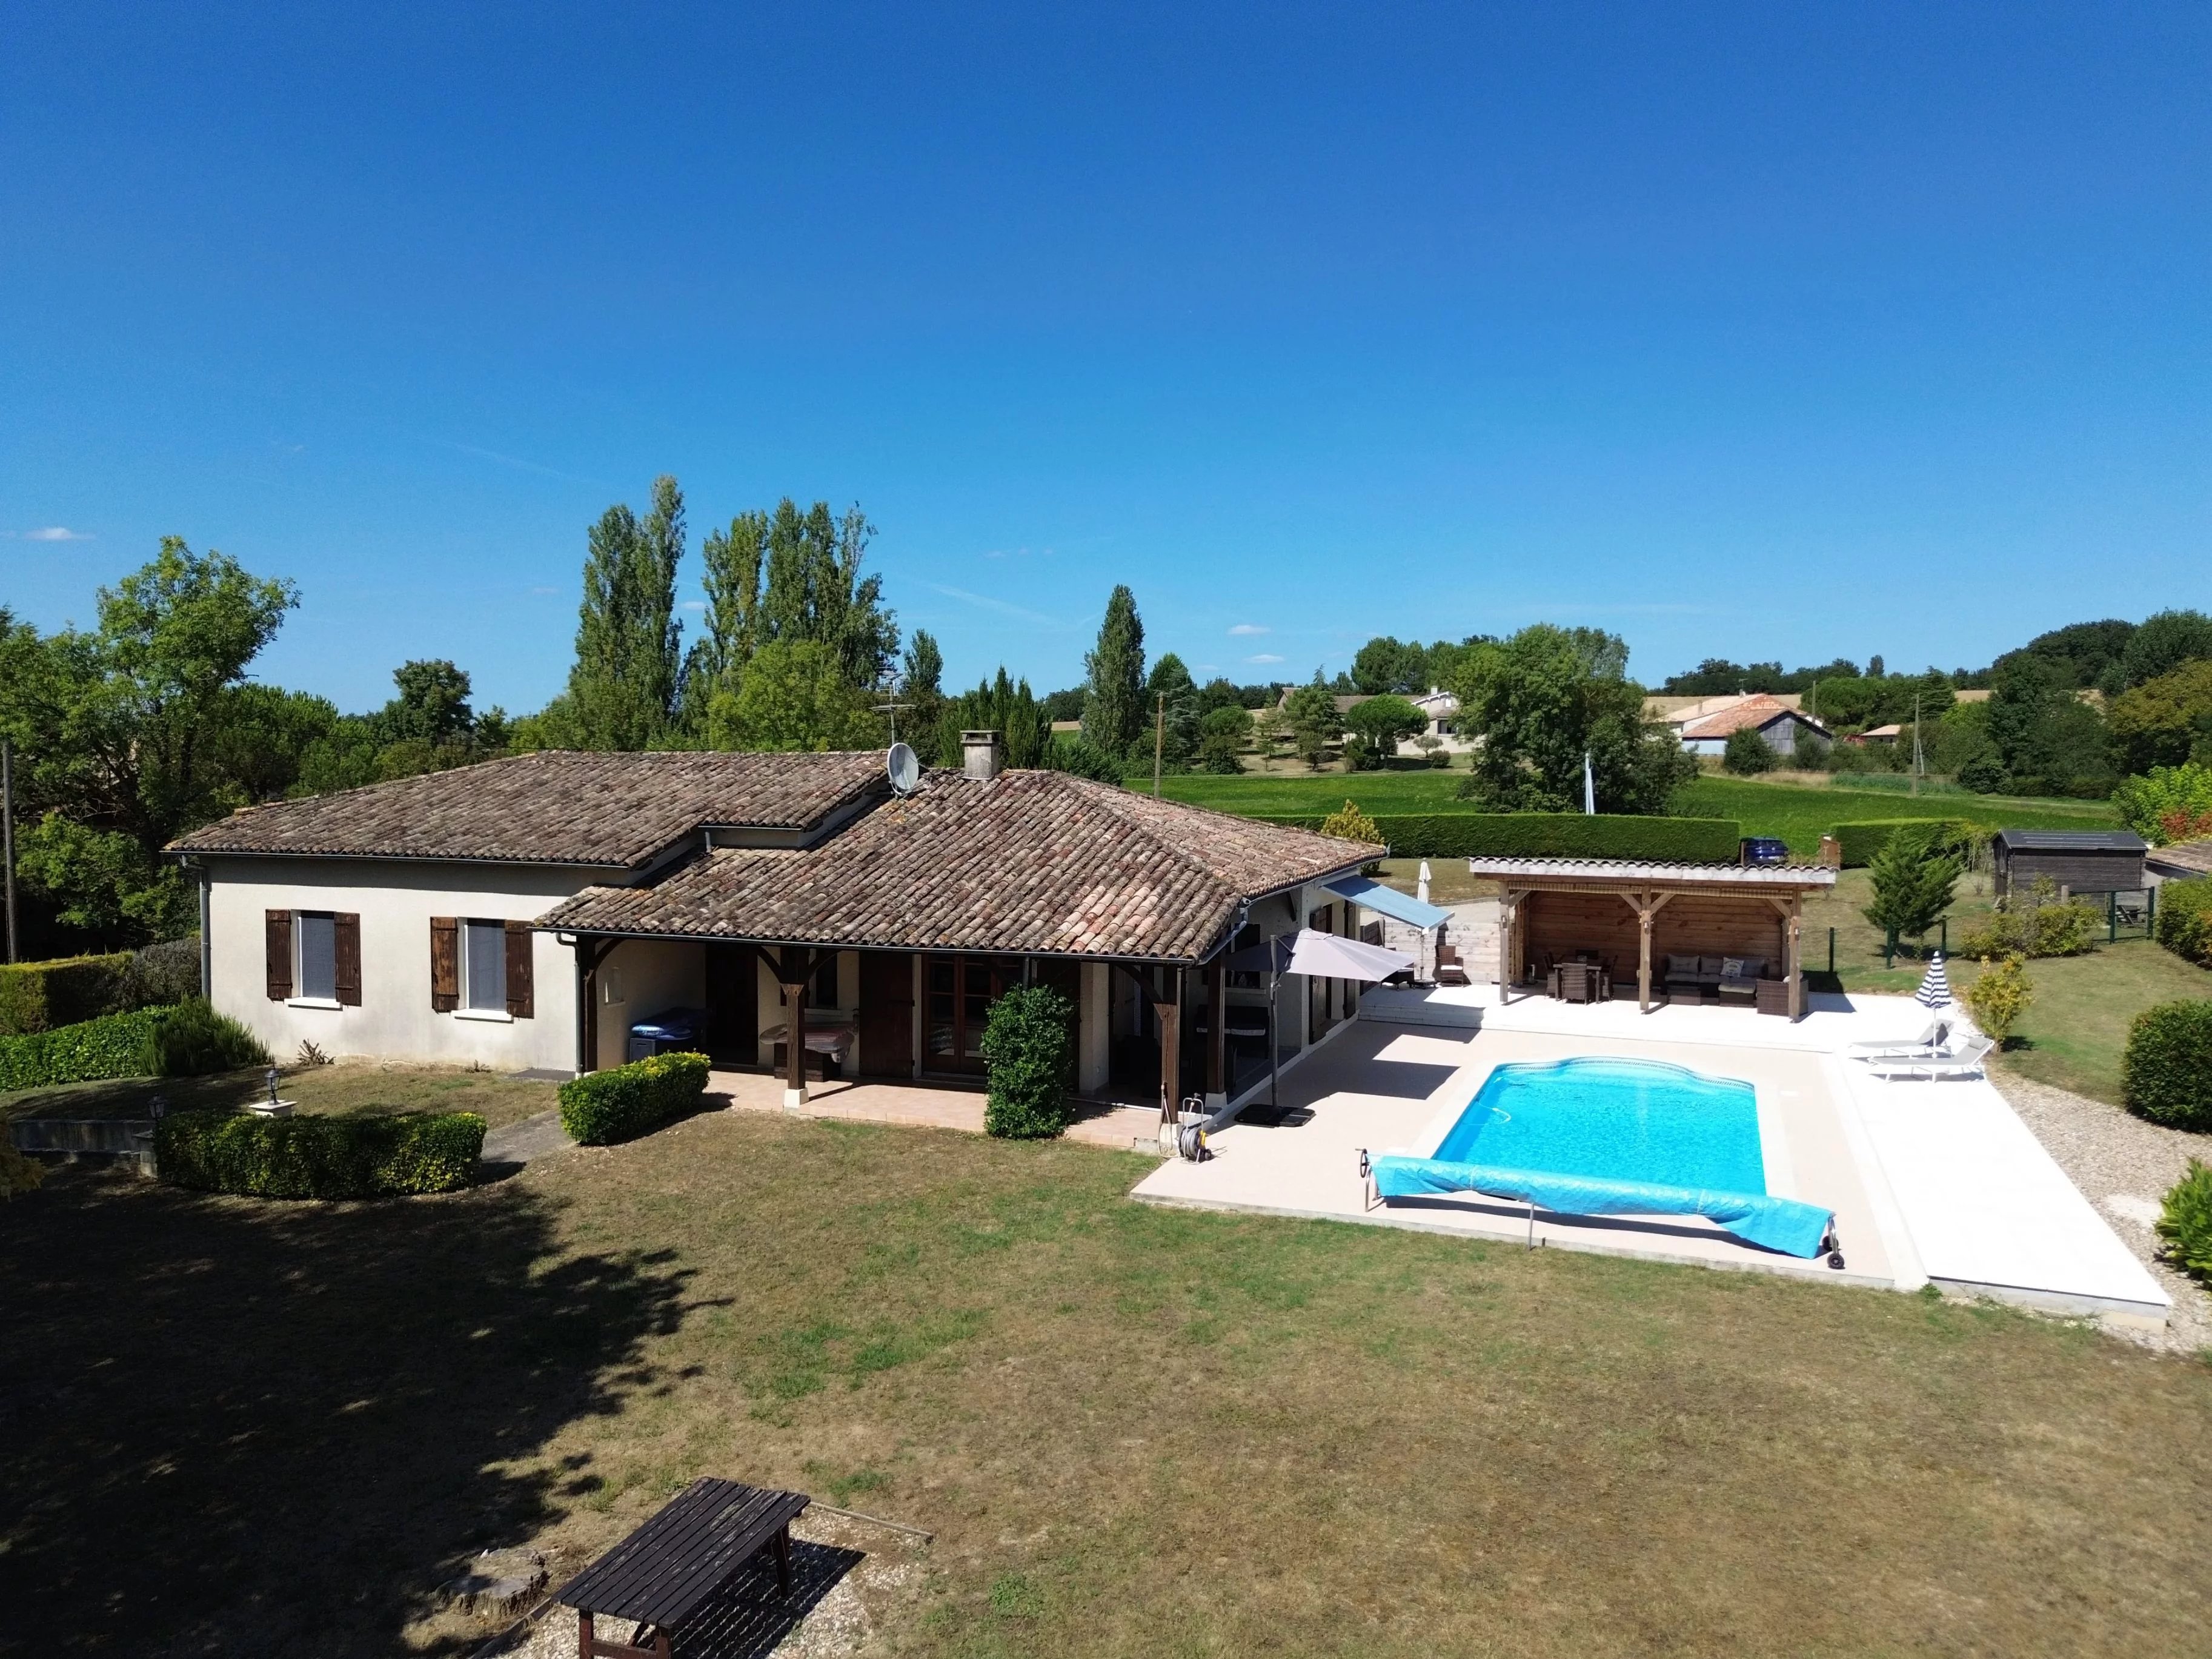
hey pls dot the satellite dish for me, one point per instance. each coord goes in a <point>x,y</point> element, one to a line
<point>904,769</point>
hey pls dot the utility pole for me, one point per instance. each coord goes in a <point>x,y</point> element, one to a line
<point>1915,742</point>
<point>8,833</point>
<point>1159,739</point>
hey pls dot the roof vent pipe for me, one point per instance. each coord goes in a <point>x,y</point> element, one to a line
<point>982,755</point>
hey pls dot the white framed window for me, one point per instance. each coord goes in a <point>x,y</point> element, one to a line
<point>483,966</point>
<point>316,943</point>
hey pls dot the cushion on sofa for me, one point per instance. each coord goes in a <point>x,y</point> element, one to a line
<point>1709,967</point>
<point>1681,967</point>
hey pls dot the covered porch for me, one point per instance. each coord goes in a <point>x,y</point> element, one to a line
<point>1614,929</point>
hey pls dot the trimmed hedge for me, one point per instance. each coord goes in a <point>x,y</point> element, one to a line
<point>118,1045</point>
<point>192,1040</point>
<point>600,1108</point>
<point>1862,839</point>
<point>1548,836</point>
<point>2184,919</point>
<point>1029,1044</point>
<point>2166,1075</point>
<point>42,996</point>
<point>384,1157</point>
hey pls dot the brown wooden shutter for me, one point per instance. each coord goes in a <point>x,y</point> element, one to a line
<point>278,926</point>
<point>345,949</point>
<point>518,941</point>
<point>445,964</point>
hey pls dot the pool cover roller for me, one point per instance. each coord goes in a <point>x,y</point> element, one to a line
<point>1776,1223</point>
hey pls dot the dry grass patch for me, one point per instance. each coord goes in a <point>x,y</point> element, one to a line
<point>1135,1430</point>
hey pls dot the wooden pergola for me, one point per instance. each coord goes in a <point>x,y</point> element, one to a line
<point>1709,909</point>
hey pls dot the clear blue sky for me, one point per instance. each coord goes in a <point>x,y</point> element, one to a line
<point>1751,331</point>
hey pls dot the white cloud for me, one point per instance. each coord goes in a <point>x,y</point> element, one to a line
<point>1265,656</point>
<point>695,605</point>
<point>990,604</point>
<point>1243,628</point>
<point>545,590</point>
<point>55,532</point>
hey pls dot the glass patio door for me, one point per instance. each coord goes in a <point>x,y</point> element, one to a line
<point>957,992</point>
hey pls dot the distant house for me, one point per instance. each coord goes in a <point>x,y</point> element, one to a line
<point>1705,725</point>
<point>2183,862</point>
<point>1877,734</point>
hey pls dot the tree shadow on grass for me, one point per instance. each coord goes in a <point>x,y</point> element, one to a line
<point>243,1427</point>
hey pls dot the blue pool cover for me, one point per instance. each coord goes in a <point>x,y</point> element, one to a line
<point>1613,1137</point>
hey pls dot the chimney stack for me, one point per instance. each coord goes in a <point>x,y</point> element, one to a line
<point>982,755</point>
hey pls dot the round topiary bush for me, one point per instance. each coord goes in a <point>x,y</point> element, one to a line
<point>1030,1047</point>
<point>2166,1073</point>
<point>2184,1222</point>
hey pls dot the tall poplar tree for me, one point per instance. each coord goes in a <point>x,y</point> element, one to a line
<point>733,560</point>
<point>1113,701</point>
<point>622,690</point>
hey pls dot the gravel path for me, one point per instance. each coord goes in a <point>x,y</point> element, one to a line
<point>2123,1166</point>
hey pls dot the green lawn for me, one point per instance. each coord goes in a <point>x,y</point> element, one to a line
<point>1800,814</point>
<point>275,1427</point>
<point>499,1099</point>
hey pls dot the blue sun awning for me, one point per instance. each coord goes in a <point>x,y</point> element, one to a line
<point>1402,907</point>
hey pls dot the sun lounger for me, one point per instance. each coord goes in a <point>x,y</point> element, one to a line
<point>1962,1061</point>
<point>1930,1043</point>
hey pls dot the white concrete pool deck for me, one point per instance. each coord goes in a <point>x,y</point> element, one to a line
<point>1935,1182</point>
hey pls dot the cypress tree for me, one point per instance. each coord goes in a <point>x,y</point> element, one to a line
<point>1113,701</point>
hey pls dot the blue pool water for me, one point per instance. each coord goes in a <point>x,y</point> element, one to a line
<point>1618,1120</point>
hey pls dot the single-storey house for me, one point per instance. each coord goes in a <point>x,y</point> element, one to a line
<point>2182,861</point>
<point>1891,734</point>
<point>525,914</point>
<point>1705,726</point>
<point>2076,861</point>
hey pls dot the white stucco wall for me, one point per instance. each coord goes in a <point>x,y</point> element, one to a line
<point>640,978</point>
<point>395,901</point>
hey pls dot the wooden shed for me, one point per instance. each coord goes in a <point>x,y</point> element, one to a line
<point>1632,915</point>
<point>2076,861</point>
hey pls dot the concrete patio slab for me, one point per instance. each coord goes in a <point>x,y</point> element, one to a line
<point>927,1106</point>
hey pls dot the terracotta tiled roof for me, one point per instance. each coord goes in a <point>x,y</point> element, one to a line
<point>1655,873</point>
<point>2193,856</point>
<point>555,807</point>
<point>1028,862</point>
<point>1755,711</point>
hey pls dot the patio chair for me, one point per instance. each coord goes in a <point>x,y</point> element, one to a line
<point>1965,1061</point>
<point>1929,1044</point>
<point>1740,977</point>
<point>1450,971</point>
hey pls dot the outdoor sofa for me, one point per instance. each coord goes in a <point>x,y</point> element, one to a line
<point>1727,978</point>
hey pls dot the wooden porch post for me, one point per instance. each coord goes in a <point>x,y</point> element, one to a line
<point>1795,925</point>
<point>1170,1018</point>
<point>1217,1001</point>
<point>792,971</point>
<point>1509,905</point>
<point>1645,914</point>
<point>589,952</point>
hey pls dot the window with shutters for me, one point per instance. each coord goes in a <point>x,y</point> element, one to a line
<point>483,966</point>
<point>317,936</point>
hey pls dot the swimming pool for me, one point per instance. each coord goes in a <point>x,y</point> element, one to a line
<point>1613,1119</point>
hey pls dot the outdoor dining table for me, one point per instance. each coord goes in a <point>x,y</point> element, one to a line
<point>1580,981</point>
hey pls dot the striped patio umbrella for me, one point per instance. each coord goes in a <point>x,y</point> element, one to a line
<point>1935,990</point>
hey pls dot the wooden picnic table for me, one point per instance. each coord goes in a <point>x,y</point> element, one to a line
<point>666,1571</point>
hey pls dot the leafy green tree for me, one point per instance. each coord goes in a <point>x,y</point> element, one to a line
<point>1381,722</point>
<point>2163,721</point>
<point>1314,720</point>
<point>1746,753</point>
<point>2168,803</point>
<point>1179,711</point>
<point>1218,693</point>
<point>1385,664</point>
<point>433,704</point>
<point>794,695</point>
<point>921,686</point>
<point>1114,705</point>
<point>2081,655</point>
<point>1222,735</point>
<point>1270,726</point>
<point>1542,700</point>
<point>1912,884</point>
<point>1073,753</point>
<point>622,690</point>
<point>2164,642</point>
<point>2049,740</point>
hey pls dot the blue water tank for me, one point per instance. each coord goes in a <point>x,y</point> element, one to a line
<point>673,1029</point>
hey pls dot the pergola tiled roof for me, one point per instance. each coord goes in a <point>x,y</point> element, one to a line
<point>556,807</point>
<point>1647,872</point>
<point>1025,863</point>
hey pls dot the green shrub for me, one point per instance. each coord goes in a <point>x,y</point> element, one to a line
<point>2166,1074</point>
<point>116,1045</point>
<point>1549,834</point>
<point>18,1173</point>
<point>2029,929</point>
<point>163,974</point>
<point>1029,1046</point>
<point>195,1040</point>
<point>43,996</point>
<point>1746,754</point>
<point>302,1156</point>
<point>1912,883</point>
<point>2184,1222</point>
<point>2184,919</point>
<point>1999,995</point>
<point>601,1108</point>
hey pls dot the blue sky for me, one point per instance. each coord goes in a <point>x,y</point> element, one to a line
<point>1751,331</point>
